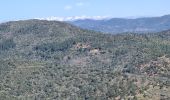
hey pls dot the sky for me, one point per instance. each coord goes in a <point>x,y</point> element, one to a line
<point>29,9</point>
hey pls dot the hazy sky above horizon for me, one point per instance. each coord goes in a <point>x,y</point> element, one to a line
<point>27,9</point>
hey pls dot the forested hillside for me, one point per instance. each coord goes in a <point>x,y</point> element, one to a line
<point>50,60</point>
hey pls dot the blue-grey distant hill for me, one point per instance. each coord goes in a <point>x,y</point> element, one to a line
<point>119,25</point>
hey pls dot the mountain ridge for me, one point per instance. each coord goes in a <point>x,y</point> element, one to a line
<point>120,25</point>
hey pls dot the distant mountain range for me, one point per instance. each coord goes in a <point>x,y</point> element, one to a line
<point>119,25</point>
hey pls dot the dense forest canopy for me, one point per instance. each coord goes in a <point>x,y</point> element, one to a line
<point>51,60</point>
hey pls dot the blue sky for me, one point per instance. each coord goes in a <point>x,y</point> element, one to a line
<point>27,9</point>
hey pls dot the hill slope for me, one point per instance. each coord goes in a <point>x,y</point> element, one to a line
<point>119,25</point>
<point>54,60</point>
